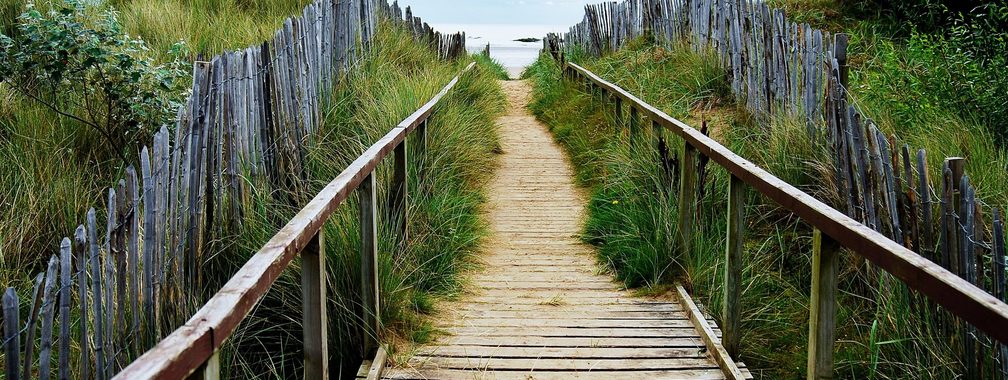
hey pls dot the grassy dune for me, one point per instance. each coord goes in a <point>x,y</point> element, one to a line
<point>882,331</point>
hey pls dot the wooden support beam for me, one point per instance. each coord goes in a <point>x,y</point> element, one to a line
<point>369,263</point>
<point>733,266</point>
<point>687,196</point>
<point>421,138</point>
<point>822,313</point>
<point>399,197</point>
<point>209,370</point>
<point>634,120</point>
<point>699,321</point>
<point>617,111</point>
<point>314,319</point>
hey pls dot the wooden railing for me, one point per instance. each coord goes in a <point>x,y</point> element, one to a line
<point>832,229</point>
<point>192,350</point>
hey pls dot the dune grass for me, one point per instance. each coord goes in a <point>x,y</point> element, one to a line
<point>883,330</point>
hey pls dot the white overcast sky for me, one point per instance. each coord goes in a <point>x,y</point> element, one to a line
<point>514,12</point>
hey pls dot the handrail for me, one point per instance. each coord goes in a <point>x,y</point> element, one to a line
<point>194,344</point>
<point>943,287</point>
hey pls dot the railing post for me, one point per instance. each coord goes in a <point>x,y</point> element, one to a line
<point>210,370</point>
<point>733,266</point>
<point>369,263</point>
<point>634,120</point>
<point>399,202</point>
<point>687,196</point>
<point>421,147</point>
<point>822,308</point>
<point>618,111</point>
<point>314,320</point>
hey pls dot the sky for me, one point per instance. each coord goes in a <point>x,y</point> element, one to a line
<point>513,12</point>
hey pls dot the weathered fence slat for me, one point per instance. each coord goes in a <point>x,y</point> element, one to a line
<point>65,294</point>
<point>48,308</point>
<point>12,333</point>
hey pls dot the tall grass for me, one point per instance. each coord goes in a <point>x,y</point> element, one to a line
<point>882,329</point>
<point>397,77</point>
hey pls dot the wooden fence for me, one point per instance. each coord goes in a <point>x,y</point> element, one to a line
<point>779,67</point>
<point>193,347</point>
<point>245,126</point>
<point>833,228</point>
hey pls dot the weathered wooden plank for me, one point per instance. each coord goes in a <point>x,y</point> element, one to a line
<point>369,263</point>
<point>694,351</point>
<point>209,370</point>
<point>65,293</point>
<point>96,292</point>
<point>547,374</point>
<point>81,247</point>
<point>314,320</point>
<point>377,367</point>
<point>730,316</point>
<point>710,338</point>
<point>570,322</point>
<point>12,333</point>
<point>822,318</point>
<point>32,326</point>
<point>687,197</point>
<point>561,364</point>
<point>399,197</point>
<point>503,333</point>
<point>49,300</point>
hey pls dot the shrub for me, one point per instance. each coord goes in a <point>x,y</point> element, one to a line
<point>84,68</point>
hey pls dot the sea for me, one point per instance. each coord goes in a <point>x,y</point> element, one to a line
<point>513,55</point>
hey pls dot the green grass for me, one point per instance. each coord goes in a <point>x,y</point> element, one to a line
<point>882,330</point>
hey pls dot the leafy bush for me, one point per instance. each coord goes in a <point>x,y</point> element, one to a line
<point>84,68</point>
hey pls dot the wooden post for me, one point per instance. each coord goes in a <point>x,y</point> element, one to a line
<point>822,308</point>
<point>634,120</point>
<point>65,293</point>
<point>421,146</point>
<point>399,202</point>
<point>80,246</point>
<point>48,309</point>
<point>210,370</point>
<point>313,291</point>
<point>12,334</point>
<point>958,167</point>
<point>369,263</point>
<point>687,196</point>
<point>733,266</point>
<point>618,111</point>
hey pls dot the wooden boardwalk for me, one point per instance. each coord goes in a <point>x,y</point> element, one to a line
<point>540,309</point>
